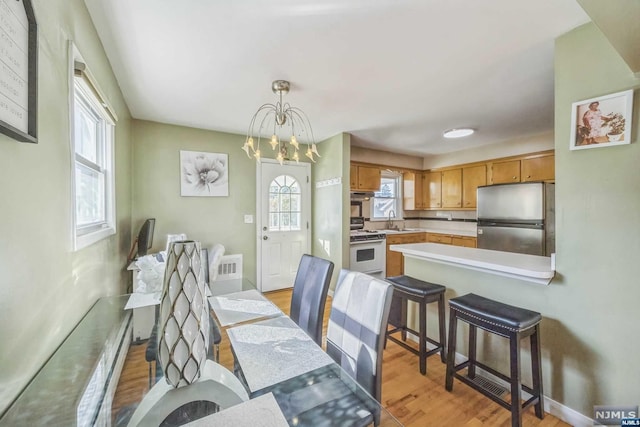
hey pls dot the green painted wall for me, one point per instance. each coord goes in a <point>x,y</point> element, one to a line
<point>45,287</point>
<point>330,226</point>
<point>590,314</point>
<point>598,227</point>
<point>211,220</point>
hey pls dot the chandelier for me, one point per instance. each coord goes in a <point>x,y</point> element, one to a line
<point>286,122</point>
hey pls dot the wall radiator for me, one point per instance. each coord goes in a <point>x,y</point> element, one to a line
<point>230,267</point>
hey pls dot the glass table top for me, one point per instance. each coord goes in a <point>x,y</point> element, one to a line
<point>99,375</point>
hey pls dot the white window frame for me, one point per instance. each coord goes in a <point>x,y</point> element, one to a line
<point>398,198</point>
<point>83,89</point>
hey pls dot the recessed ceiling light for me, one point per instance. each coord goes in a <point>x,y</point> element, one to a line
<point>457,133</point>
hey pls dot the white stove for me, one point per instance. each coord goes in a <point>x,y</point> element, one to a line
<point>368,250</point>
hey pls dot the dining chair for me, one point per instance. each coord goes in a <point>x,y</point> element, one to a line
<point>310,295</point>
<point>357,325</point>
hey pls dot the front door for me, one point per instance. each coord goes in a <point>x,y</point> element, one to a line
<point>284,212</point>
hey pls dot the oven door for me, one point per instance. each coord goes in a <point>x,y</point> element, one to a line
<point>369,257</point>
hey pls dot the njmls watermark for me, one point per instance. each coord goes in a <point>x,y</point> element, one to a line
<point>606,415</point>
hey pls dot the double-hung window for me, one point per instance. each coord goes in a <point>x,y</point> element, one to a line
<point>92,140</point>
<point>386,202</point>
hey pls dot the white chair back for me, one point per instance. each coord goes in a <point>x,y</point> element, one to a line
<point>357,326</point>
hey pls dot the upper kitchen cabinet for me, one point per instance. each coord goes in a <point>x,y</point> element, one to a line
<point>443,189</point>
<point>505,172</point>
<point>367,178</point>
<point>353,177</point>
<point>539,168</point>
<point>433,187</point>
<point>413,194</point>
<point>451,188</point>
<point>472,178</point>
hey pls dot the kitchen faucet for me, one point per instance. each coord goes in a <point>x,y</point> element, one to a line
<point>389,222</point>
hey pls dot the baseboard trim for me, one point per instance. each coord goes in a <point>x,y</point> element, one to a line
<point>566,414</point>
<point>557,409</point>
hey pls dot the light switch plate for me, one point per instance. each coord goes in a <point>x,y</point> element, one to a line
<point>248,219</point>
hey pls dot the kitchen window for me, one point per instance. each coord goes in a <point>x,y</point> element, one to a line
<point>386,202</point>
<point>92,148</point>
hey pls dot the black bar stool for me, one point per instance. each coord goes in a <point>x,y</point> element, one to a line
<point>511,322</point>
<point>409,289</point>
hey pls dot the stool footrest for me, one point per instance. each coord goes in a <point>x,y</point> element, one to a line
<point>501,376</point>
<point>488,392</point>
<point>416,351</point>
<point>485,392</point>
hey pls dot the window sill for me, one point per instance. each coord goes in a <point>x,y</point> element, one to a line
<point>89,239</point>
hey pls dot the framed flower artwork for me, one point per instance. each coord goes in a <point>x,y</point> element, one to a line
<point>204,174</point>
<point>602,121</point>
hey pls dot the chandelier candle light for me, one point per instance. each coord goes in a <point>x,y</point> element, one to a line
<point>285,120</point>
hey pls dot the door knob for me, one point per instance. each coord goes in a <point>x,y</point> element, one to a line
<point>265,237</point>
<point>264,228</point>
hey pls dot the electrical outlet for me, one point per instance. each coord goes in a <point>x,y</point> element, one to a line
<point>248,219</point>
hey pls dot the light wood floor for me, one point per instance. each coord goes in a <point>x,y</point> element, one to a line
<point>414,399</point>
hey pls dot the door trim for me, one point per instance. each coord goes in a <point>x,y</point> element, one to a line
<point>306,205</point>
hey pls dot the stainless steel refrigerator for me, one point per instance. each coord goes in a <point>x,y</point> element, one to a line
<point>517,218</point>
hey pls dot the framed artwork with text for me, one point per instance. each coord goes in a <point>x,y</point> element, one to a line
<point>18,70</point>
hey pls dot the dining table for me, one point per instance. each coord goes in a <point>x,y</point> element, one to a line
<point>99,375</point>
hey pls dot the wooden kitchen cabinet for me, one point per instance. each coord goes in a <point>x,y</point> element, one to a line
<point>452,239</point>
<point>505,172</point>
<point>395,260</point>
<point>538,169</point>
<point>541,168</point>
<point>413,191</point>
<point>420,191</point>
<point>472,178</point>
<point>444,239</point>
<point>368,178</point>
<point>353,177</point>
<point>467,242</point>
<point>451,188</point>
<point>433,183</point>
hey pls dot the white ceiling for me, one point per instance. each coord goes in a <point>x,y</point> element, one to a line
<point>393,73</point>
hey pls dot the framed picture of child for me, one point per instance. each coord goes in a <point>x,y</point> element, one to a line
<point>602,121</point>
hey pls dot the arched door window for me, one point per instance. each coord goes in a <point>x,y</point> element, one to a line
<point>285,204</point>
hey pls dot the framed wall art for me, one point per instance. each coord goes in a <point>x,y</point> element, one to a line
<point>602,121</point>
<point>204,174</point>
<point>18,71</point>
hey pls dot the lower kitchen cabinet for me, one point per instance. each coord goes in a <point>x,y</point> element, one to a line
<point>467,242</point>
<point>445,239</point>
<point>395,260</point>
<point>452,239</point>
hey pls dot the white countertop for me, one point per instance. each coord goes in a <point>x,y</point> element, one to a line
<point>530,268</point>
